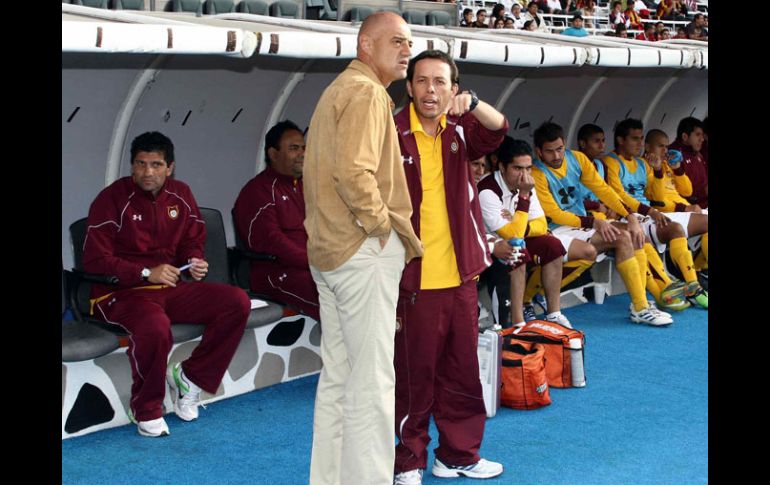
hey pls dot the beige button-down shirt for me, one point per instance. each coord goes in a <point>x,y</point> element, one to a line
<point>353,174</point>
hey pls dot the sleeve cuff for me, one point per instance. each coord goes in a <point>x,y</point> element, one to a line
<point>586,222</point>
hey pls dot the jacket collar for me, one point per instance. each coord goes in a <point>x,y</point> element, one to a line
<point>367,71</point>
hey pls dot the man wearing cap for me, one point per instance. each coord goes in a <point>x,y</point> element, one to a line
<point>576,30</point>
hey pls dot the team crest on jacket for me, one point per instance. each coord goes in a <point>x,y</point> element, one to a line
<point>454,146</point>
<point>173,212</point>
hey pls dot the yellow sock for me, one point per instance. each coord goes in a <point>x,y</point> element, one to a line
<point>572,269</point>
<point>682,256</point>
<point>702,259</point>
<point>655,266</point>
<point>534,285</point>
<point>641,261</point>
<point>629,272</point>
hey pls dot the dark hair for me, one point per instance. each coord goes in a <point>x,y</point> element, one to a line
<point>697,16</point>
<point>653,134</point>
<point>527,24</point>
<point>510,149</point>
<point>547,132</point>
<point>620,28</point>
<point>481,10</point>
<point>499,7</point>
<point>649,26</point>
<point>616,3</point>
<point>274,134</point>
<point>533,3</point>
<point>153,141</point>
<point>433,54</point>
<point>688,125</point>
<point>587,131</point>
<point>467,11</point>
<point>623,128</point>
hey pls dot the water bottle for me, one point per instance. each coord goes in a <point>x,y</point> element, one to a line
<point>518,245</point>
<point>576,362</point>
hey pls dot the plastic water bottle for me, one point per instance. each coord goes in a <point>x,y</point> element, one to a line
<point>576,362</point>
<point>518,245</point>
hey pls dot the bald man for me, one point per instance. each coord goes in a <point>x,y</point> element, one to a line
<point>359,239</point>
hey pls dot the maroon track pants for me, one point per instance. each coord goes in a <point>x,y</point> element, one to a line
<point>292,286</point>
<point>147,315</point>
<point>437,372</point>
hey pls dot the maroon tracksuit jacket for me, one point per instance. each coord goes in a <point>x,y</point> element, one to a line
<point>269,214</point>
<point>437,369</point>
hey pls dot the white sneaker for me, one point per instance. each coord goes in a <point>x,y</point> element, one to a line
<point>185,394</point>
<point>650,316</point>
<point>655,308</point>
<point>481,469</point>
<point>560,319</point>
<point>153,428</point>
<point>412,477</point>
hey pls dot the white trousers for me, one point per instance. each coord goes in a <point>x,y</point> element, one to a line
<point>353,425</point>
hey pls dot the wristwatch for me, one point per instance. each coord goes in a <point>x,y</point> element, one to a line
<point>474,100</point>
<point>146,274</point>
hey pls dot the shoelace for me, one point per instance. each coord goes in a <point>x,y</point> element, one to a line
<point>192,398</point>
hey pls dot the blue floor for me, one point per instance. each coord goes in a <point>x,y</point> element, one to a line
<point>641,419</point>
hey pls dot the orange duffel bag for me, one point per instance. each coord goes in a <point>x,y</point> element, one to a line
<point>524,384</point>
<point>563,350</point>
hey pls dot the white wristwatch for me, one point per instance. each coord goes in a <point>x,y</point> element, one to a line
<point>146,274</point>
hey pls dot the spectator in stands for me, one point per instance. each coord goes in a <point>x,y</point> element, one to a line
<point>664,34</point>
<point>467,20</point>
<point>681,33</point>
<point>499,24</point>
<point>481,19</point>
<point>641,8</point>
<point>668,295</point>
<point>670,10</point>
<point>689,141</point>
<point>517,17</point>
<point>436,361</point>
<point>633,20</point>
<point>551,6</point>
<point>269,214</point>
<point>617,17</point>
<point>530,25</point>
<point>511,210</point>
<point>537,20</point>
<point>562,178</point>
<point>576,29</point>
<point>588,8</point>
<point>632,179</point>
<point>659,26</point>
<point>648,34</point>
<point>695,30</point>
<point>498,13</point>
<point>359,237</point>
<point>621,31</point>
<point>508,23</point>
<point>146,229</point>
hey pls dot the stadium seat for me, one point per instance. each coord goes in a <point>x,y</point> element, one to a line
<point>92,3</point>
<point>255,7</point>
<point>216,253</point>
<point>82,340</point>
<point>214,7</point>
<point>285,9</point>
<point>329,10</point>
<point>128,4</point>
<point>240,258</point>
<point>358,14</point>
<point>438,17</point>
<point>188,6</point>
<point>414,17</point>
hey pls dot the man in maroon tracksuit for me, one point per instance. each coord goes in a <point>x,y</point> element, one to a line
<point>437,370</point>
<point>146,229</point>
<point>269,214</point>
<point>689,140</point>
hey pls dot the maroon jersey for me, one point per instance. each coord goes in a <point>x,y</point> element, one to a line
<point>269,214</point>
<point>130,229</point>
<point>697,170</point>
